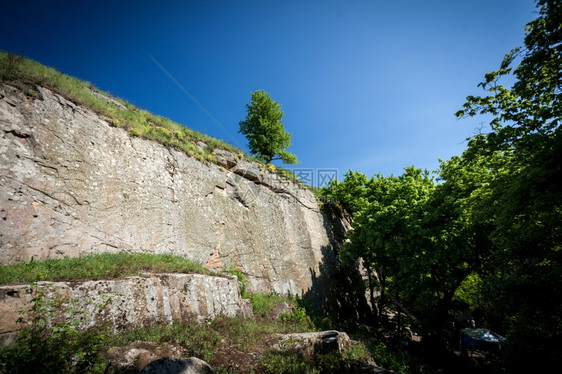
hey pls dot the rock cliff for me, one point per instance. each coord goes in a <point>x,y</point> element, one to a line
<point>132,301</point>
<point>73,185</point>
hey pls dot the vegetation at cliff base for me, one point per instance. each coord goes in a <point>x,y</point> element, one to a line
<point>230,345</point>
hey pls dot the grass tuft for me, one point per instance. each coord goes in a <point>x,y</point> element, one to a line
<point>262,303</point>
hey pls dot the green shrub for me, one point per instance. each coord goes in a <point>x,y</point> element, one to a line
<point>398,359</point>
<point>298,316</point>
<point>263,304</point>
<point>358,352</point>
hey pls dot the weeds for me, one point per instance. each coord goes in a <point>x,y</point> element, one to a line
<point>285,363</point>
<point>246,337</point>
<point>97,267</point>
<point>263,303</point>
<point>298,316</point>
<point>9,66</point>
<point>397,358</point>
<point>242,280</point>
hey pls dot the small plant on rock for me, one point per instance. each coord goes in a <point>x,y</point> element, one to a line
<point>53,341</point>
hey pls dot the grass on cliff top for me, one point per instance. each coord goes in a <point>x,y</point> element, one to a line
<point>137,122</point>
<point>97,267</point>
<point>119,113</point>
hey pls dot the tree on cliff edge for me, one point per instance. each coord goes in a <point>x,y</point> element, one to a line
<point>267,137</point>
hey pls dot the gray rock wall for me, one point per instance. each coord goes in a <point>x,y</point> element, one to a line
<point>132,301</point>
<point>72,185</point>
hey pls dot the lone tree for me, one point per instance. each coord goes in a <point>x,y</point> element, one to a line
<point>264,130</point>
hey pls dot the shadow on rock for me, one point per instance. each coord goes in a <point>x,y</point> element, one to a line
<point>336,291</point>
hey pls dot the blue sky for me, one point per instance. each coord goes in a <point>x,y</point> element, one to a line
<point>365,85</point>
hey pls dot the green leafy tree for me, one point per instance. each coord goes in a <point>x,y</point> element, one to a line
<point>525,277</point>
<point>459,226</point>
<point>388,235</point>
<point>351,193</point>
<point>267,137</point>
<point>418,241</point>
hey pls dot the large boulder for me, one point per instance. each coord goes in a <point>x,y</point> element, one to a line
<point>314,343</point>
<point>149,357</point>
<point>192,365</point>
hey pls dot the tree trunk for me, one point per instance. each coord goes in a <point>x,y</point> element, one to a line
<point>382,297</point>
<point>372,294</point>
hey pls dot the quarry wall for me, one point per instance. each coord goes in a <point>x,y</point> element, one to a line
<point>128,302</point>
<point>73,185</point>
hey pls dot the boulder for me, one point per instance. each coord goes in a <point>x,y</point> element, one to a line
<point>139,354</point>
<point>191,365</point>
<point>313,343</point>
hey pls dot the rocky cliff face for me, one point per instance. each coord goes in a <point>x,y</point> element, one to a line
<point>73,185</point>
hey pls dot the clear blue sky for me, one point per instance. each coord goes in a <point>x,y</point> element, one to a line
<point>321,60</point>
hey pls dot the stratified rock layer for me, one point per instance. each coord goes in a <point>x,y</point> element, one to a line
<point>72,185</point>
<point>131,301</point>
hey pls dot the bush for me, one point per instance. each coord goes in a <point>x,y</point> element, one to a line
<point>9,64</point>
<point>298,316</point>
<point>263,304</point>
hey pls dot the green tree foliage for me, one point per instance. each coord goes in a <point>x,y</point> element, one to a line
<point>417,240</point>
<point>524,198</point>
<point>267,137</point>
<point>460,228</point>
<point>405,237</point>
<point>350,194</point>
<point>489,234</point>
<point>385,235</point>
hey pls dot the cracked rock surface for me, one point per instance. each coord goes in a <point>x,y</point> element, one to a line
<point>131,301</point>
<point>72,185</point>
